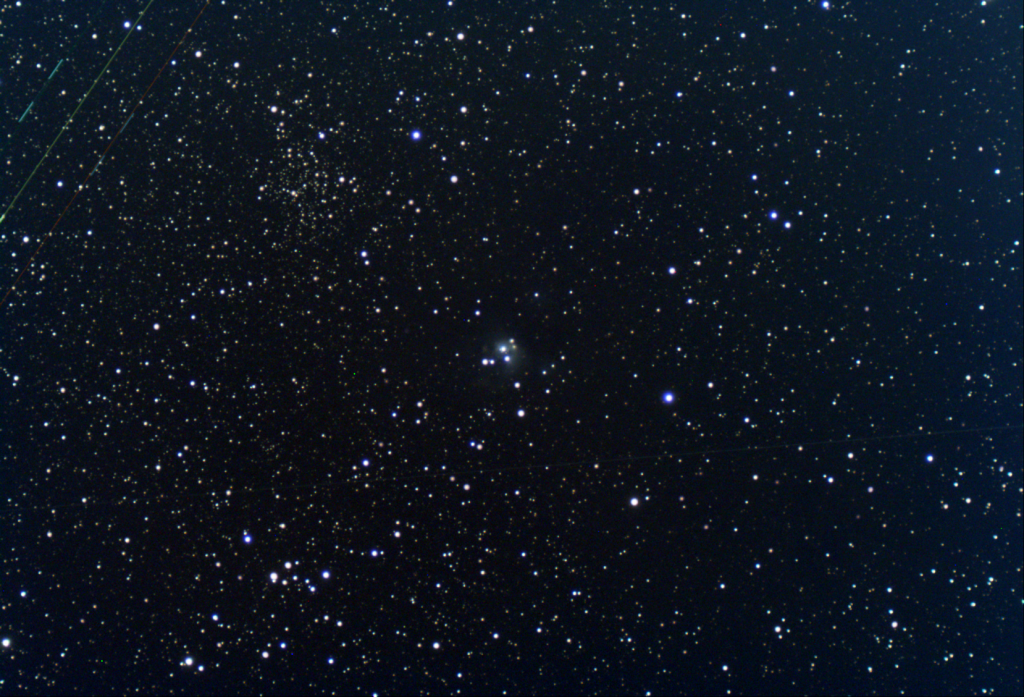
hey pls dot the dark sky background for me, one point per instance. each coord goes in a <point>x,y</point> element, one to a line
<point>433,347</point>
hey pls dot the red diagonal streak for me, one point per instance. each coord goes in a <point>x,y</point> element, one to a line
<point>109,146</point>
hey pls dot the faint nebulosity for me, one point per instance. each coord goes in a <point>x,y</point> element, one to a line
<point>439,347</point>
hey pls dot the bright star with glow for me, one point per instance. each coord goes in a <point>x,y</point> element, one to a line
<point>668,398</point>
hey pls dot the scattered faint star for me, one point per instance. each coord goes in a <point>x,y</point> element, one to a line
<point>200,342</point>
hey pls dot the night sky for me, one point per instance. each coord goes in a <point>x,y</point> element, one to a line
<point>546,347</point>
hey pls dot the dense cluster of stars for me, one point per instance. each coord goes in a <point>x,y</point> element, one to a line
<point>518,349</point>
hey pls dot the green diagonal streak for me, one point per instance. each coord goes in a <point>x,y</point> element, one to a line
<point>13,136</point>
<point>75,112</point>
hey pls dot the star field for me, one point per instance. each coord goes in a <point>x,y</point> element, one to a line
<point>518,348</point>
